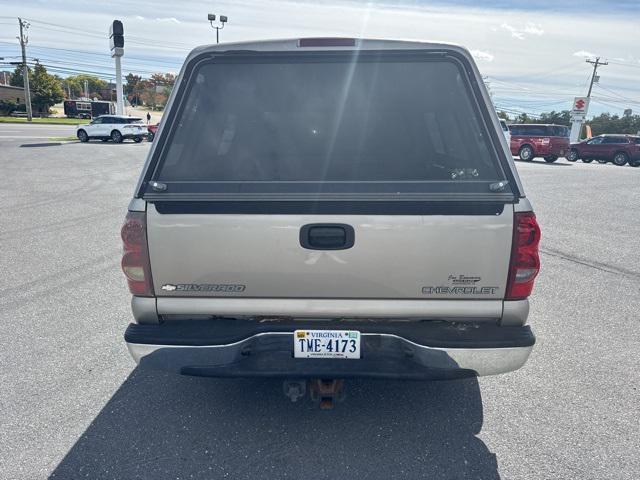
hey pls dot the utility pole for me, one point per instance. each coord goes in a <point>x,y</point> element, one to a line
<point>25,69</point>
<point>581,104</point>
<point>595,64</point>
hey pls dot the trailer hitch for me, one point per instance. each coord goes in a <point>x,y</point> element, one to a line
<point>325,392</point>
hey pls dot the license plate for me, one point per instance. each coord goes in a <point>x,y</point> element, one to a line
<point>326,344</point>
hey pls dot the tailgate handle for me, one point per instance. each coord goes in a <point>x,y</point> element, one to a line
<point>327,236</point>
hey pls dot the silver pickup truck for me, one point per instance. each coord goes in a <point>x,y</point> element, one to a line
<point>330,208</point>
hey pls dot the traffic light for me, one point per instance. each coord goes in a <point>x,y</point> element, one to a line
<point>116,37</point>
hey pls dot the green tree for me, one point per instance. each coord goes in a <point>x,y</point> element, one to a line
<point>504,115</point>
<point>133,88</point>
<point>523,118</point>
<point>608,123</point>
<point>46,89</point>
<point>133,82</point>
<point>17,77</point>
<point>167,79</point>
<point>557,118</point>
<point>75,84</point>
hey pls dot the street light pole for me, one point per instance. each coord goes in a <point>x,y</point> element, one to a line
<point>223,20</point>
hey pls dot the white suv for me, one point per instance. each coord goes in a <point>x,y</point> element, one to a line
<point>113,127</point>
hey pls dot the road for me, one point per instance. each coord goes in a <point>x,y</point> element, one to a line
<point>23,131</point>
<point>73,406</point>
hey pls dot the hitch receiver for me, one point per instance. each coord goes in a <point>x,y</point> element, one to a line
<point>326,392</point>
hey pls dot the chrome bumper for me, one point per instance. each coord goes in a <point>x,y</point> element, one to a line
<point>383,356</point>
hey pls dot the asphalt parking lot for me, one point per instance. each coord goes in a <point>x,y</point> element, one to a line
<point>73,405</point>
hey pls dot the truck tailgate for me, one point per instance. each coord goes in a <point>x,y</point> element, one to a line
<point>393,256</point>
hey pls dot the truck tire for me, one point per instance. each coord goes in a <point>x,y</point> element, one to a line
<point>137,139</point>
<point>116,136</point>
<point>82,136</point>
<point>526,153</point>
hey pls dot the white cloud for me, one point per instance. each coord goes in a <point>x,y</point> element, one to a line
<point>519,33</point>
<point>534,29</point>
<point>515,33</point>
<point>480,55</point>
<point>168,19</point>
<point>549,72</point>
<point>583,54</point>
<point>139,17</point>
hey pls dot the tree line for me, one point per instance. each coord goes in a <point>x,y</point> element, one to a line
<point>603,123</point>
<point>48,89</point>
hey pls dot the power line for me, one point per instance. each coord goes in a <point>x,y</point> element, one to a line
<point>617,94</point>
<point>624,64</point>
<point>130,38</point>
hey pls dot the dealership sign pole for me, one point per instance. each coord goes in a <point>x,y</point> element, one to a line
<point>116,42</point>
<point>578,114</point>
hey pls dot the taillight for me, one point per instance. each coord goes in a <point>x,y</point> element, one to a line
<point>525,260</point>
<point>546,141</point>
<point>135,255</point>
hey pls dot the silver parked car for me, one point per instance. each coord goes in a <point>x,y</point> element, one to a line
<point>330,208</point>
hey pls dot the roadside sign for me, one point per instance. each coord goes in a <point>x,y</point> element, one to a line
<point>580,106</point>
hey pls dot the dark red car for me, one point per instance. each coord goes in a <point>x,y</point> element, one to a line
<point>538,140</point>
<point>153,129</point>
<point>619,149</point>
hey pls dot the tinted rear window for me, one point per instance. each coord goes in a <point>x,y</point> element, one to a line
<point>338,122</point>
<point>540,131</point>
<point>559,131</point>
<point>612,139</point>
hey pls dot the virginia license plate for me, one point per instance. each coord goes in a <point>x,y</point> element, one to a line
<point>326,344</point>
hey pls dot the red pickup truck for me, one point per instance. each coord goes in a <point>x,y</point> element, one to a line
<point>537,140</point>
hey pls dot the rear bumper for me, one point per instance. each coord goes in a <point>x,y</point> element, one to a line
<point>399,350</point>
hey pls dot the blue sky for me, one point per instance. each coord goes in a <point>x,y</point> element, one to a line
<point>532,52</point>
